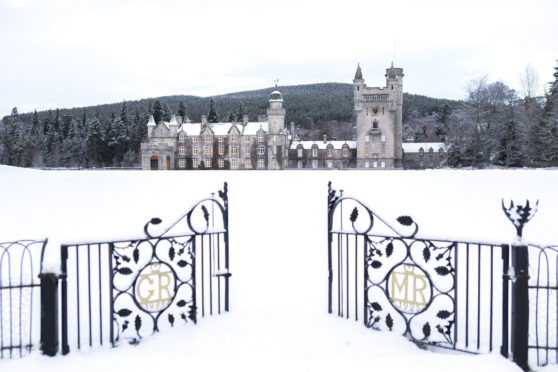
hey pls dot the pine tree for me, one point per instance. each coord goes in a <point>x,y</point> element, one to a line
<point>231,117</point>
<point>212,117</point>
<point>545,132</point>
<point>241,112</point>
<point>181,111</point>
<point>95,142</point>
<point>157,111</point>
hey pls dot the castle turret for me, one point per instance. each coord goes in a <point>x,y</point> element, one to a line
<point>276,138</point>
<point>150,126</point>
<point>394,84</point>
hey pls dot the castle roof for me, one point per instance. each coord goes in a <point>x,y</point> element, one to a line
<point>252,128</point>
<point>410,147</point>
<point>222,129</point>
<point>358,74</point>
<point>392,72</point>
<point>337,145</point>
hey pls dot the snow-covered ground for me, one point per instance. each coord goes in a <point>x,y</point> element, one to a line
<point>278,242</point>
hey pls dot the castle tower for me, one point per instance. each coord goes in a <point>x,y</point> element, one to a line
<point>276,138</point>
<point>378,113</point>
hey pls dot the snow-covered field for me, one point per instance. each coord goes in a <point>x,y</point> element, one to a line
<point>278,242</point>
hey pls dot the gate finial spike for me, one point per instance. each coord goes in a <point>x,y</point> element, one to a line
<point>519,215</point>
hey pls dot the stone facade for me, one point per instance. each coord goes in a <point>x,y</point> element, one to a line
<point>267,144</point>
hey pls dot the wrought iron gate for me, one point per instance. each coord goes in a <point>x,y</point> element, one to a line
<point>20,264</point>
<point>129,289</point>
<point>450,294</point>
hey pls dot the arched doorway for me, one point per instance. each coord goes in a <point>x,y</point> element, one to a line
<point>168,162</point>
<point>154,162</point>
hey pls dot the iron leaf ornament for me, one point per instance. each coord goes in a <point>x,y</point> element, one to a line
<point>519,215</point>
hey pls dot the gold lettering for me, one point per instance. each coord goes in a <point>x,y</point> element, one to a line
<point>155,287</point>
<point>409,288</point>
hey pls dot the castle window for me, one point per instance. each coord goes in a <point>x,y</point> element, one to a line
<point>182,138</point>
<point>208,162</point>
<point>221,149</point>
<point>274,163</point>
<point>247,163</point>
<point>182,150</point>
<point>299,152</point>
<point>247,139</point>
<point>374,164</point>
<point>261,163</point>
<point>234,163</point>
<point>207,137</point>
<point>234,150</point>
<point>194,163</point>
<point>366,138</point>
<point>314,151</point>
<point>330,152</point>
<point>247,151</point>
<point>383,138</point>
<point>221,163</point>
<point>367,152</point>
<point>441,152</point>
<point>221,139</point>
<point>182,163</point>
<point>383,164</point>
<point>314,164</point>
<point>330,164</point>
<point>195,150</point>
<point>260,137</point>
<point>234,138</point>
<point>194,139</point>
<point>383,149</point>
<point>366,164</point>
<point>299,164</point>
<point>207,150</point>
<point>154,162</point>
<point>375,124</point>
<point>345,151</point>
<point>261,149</point>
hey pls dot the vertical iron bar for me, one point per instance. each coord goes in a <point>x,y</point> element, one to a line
<point>218,271</point>
<point>479,266</point>
<point>64,295</point>
<point>347,273</point>
<point>194,305</point>
<point>491,293</point>
<point>20,303</point>
<point>547,307</point>
<point>202,275</point>
<point>77,296</point>
<point>49,313</point>
<point>467,299</point>
<point>338,279</point>
<point>89,293</point>
<point>111,297</point>
<point>341,294</point>
<point>356,277</point>
<point>455,300</point>
<point>210,276</point>
<point>505,300</point>
<point>100,296</point>
<point>365,284</point>
<point>329,268</point>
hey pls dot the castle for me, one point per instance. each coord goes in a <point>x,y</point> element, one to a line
<point>268,144</point>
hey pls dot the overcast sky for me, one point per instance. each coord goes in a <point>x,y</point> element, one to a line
<point>62,53</point>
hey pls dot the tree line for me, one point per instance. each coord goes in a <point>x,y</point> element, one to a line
<point>492,126</point>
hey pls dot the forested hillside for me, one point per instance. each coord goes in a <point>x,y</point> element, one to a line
<point>110,134</point>
<point>492,126</point>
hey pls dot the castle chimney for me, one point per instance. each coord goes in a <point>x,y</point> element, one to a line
<point>325,138</point>
<point>244,119</point>
<point>204,119</point>
<point>292,128</point>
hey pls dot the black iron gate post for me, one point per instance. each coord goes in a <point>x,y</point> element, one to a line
<point>49,313</point>
<point>519,215</point>
<point>520,306</point>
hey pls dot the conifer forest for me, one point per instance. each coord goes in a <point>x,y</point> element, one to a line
<point>493,126</point>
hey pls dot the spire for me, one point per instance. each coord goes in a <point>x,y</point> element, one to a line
<point>151,122</point>
<point>358,74</point>
<point>392,72</point>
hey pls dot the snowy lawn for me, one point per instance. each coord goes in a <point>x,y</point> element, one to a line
<point>278,243</point>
